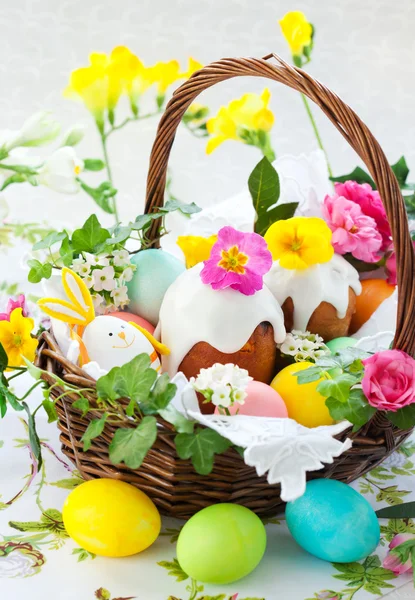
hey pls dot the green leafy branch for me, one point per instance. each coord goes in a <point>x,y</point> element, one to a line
<point>264,187</point>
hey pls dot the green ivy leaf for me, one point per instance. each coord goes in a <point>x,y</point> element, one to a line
<point>135,379</point>
<point>102,195</point>
<point>50,410</point>
<point>174,569</point>
<point>264,187</point>
<point>94,429</point>
<point>130,446</point>
<point>404,418</point>
<point>338,388</point>
<point>159,396</point>
<point>93,164</point>
<point>90,236</point>
<point>186,209</point>
<point>38,271</point>
<point>175,418</point>
<point>357,410</point>
<point>4,361</point>
<point>401,171</point>
<point>66,252</point>
<point>49,240</point>
<point>143,221</point>
<point>81,404</point>
<point>120,235</point>
<point>308,375</point>
<point>358,175</point>
<point>201,448</point>
<point>9,397</point>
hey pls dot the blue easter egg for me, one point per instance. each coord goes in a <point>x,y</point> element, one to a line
<point>340,343</point>
<point>333,522</point>
<point>155,272</point>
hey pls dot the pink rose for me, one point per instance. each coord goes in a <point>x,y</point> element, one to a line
<point>371,204</point>
<point>353,231</point>
<point>390,265</point>
<point>393,562</point>
<point>389,380</point>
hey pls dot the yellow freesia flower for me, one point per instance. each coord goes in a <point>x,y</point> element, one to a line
<point>249,112</point>
<point>16,339</point>
<point>164,74</point>
<point>91,85</point>
<point>193,66</point>
<point>195,248</point>
<point>297,31</point>
<point>300,242</point>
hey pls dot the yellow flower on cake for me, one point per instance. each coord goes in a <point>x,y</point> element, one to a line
<point>16,339</point>
<point>300,242</point>
<point>297,31</point>
<point>196,248</point>
<point>250,112</point>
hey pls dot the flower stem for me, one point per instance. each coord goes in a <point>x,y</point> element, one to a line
<point>316,131</point>
<point>109,173</point>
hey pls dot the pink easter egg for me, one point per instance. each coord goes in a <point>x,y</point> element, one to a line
<point>126,316</point>
<point>262,401</point>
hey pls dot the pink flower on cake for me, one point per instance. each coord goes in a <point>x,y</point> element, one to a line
<point>353,231</point>
<point>389,380</point>
<point>394,560</point>
<point>11,305</point>
<point>238,260</point>
<point>371,204</point>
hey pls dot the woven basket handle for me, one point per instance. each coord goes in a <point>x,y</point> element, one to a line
<point>343,118</point>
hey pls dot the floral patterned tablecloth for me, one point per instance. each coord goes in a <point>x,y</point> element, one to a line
<point>39,561</point>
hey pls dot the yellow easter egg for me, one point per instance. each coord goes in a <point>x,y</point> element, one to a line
<point>304,403</point>
<point>111,518</point>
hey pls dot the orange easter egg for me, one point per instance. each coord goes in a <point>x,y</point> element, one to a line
<point>126,316</point>
<point>374,292</point>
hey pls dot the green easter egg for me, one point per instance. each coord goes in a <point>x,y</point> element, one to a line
<point>340,343</point>
<point>221,544</point>
<point>155,272</point>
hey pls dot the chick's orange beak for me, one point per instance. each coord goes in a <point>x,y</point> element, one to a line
<point>122,335</point>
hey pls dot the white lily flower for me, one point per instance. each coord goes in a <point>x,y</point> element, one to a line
<point>39,129</point>
<point>59,172</point>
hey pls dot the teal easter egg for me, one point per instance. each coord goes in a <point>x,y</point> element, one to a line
<point>333,522</point>
<point>221,544</point>
<point>340,343</point>
<point>155,272</point>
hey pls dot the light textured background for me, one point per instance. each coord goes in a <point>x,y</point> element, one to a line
<point>364,51</point>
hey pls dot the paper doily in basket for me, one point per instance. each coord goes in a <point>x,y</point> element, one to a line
<point>282,448</point>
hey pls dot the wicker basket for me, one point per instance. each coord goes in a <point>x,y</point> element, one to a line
<point>172,483</point>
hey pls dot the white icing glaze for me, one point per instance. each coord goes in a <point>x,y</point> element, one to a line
<point>193,312</point>
<point>327,282</point>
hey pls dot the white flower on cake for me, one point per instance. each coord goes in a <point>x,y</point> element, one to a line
<point>60,171</point>
<point>121,258</point>
<point>223,385</point>
<point>303,346</point>
<point>104,279</point>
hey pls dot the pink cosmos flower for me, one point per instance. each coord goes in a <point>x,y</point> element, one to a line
<point>393,562</point>
<point>328,595</point>
<point>389,380</point>
<point>11,305</point>
<point>353,231</point>
<point>371,204</point>
<point>238,260</point>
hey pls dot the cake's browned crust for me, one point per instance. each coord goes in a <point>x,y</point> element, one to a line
<point>257,356</point>
<point>324,319</point>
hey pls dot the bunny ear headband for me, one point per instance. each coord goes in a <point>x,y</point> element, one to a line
<point>79,309</point>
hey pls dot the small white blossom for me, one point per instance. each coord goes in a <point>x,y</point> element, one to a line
<point>221,395</point>
<point>99,260</point>
<point>84,269</point>
<point>304,346</point>
<point>127,274</point>
<point>121,258</point>
<point>77,263</point>
<point>97,300</point>
<point>239,396</point>
<point>89,281</point>
<point>120,295</point>
<point>104,279</point>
